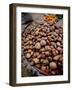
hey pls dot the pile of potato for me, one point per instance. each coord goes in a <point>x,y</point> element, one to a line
<point>43,47</point>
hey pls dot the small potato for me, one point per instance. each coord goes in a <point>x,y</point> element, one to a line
<point>37,45</point>
<point>53,65</point>
<point>61,51</point>
<point>47,53</point>
<point>42,49</point>
<point>29,50</point>
<point>36,60</point>
<point>52,47</point>
<point>38,39</point>
<point>43,56</point>
<point>26,39</point>
<point>37,32</point>
<point>44,30</point>
<point>58,43</point>
<point>59,39</point>
<point>43,42</point>
<point>57,31</point>
<point>26,47</point>
<point>36,54</point>
<point>48,48</point>
<point>56,57</point>
<point>59,48</point>
<point>42,34</point>
<point>44,38</point>
<point>52,27</point>
<point>39,56</point>
<point>38,29</point>
<point>54,53</point>
<point>61,58</point>
<point>53,44</point>
<point>41,60</point>
<point>50,58</point>
<point>28,55</point>
<point>45,62</point>
<point>55,34</point>
<point>31,47</point>
<point>42,53</point>
<point>30,42</point>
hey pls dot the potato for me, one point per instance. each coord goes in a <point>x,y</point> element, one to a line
<point>50,58</point>
<point>37,45</point>
<point>43,56</point>
<point>47,53</point>
<point>28,55</point>
<point>37,32</point>
<point>58,43</point>
<point>61,58</point>
<point>39,56</point>
<point>53,65</point>
<point>36,54</point>
<point>42,49</point>
<point>29,50</point>
<point>58,48</point>
<point>36,60</point>
<point>47,48</point>
<point>41,60</point>
<point>43,42</point>
<point>56,57</point>
<point>45,62</point>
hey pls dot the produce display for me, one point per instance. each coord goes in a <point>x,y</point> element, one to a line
<point>42,46</point>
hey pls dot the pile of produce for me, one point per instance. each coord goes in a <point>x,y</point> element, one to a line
<point>42,46</point>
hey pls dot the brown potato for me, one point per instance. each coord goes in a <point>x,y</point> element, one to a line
<point>58,43</point>
<point>28,55</point>
<point>45,62</point>
<point>43,42</point>
<point>36,60</point>
<point>37,32</point>
<point>36,54</point>
<point>56,57</point>
<point>42,49</point>
<point>37,45</point>
<point>47,53</point>
<point>53,65</point>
